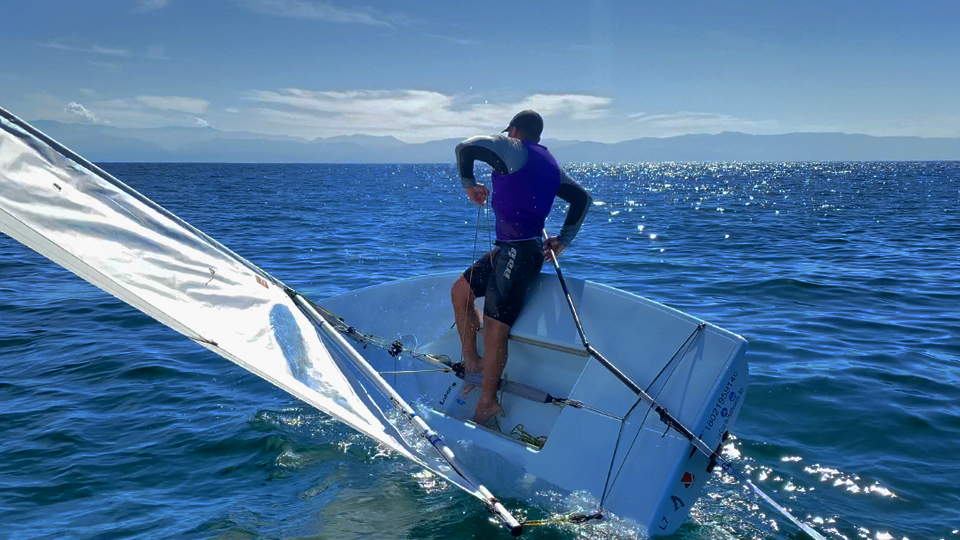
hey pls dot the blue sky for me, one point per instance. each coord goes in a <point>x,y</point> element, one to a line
<point>597,70</point>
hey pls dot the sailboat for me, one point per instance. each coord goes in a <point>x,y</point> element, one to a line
<point>605,393</point>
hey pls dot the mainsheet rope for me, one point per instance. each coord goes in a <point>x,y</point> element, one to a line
<point>473,261</point>
<point>485,225</point>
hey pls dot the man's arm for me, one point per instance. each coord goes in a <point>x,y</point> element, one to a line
<point>504,154</point>
<point>580,202</point>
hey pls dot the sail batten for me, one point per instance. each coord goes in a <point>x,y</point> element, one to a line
<point>79,216</point>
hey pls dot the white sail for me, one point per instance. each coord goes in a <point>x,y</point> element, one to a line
<point>82,218</point>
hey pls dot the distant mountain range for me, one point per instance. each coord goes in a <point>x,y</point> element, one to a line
<point>182,144</point>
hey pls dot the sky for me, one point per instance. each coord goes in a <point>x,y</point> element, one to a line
<point>598,70</point>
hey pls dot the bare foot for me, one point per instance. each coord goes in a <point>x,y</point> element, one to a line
<point>484,413</point>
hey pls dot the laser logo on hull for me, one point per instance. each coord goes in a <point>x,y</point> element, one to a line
<point>510,264</point>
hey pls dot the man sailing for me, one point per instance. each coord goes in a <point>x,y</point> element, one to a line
<point>525,181</point>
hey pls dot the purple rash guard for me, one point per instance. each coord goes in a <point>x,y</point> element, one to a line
<point>508,157</point>
<point>521,201</point>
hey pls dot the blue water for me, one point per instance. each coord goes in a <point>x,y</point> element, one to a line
<point>843,277</point>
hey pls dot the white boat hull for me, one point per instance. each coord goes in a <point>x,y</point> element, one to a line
<point>643,471</point>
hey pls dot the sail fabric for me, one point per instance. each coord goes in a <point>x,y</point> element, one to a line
<point>113,237</point>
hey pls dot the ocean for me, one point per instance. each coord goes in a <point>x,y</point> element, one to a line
<point>842,276</point>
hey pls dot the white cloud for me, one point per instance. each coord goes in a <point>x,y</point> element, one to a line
<point>578,106</point>
<point>413,115</point>
<point>144,6</point>
<point>87,92</point>
<point>358,102</point>
<point>665,125</point>
<point>301,9</point>
<point>409,115</point>
<point>175,103</point>
<point>155,53</point>
<point>138,112</point>
<point>455,39</point>
<point>75,109</point>
<point>97,49</point>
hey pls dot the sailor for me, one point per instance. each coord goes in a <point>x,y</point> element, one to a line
<point>525,180</point>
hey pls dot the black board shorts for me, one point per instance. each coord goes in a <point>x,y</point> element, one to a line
<point>503,276</point>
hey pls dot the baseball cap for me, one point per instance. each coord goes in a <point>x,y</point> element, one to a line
<point>529,122</point>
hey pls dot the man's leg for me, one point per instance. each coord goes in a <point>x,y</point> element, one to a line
<point>468,323</point>
<point>514,268</point>
<point>495,336</point>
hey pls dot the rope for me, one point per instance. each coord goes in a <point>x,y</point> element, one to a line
<point>685,345</point>
<point>681,352</point>
<point>445,370</point>
<point>473,264</point>
<point>486,224</point>
<point>394,348</point>
<point>520,432</point>
<point>469,309</point>
<point>476,240</point>
<point>572,518</point>
<point>577,404</point>
<point>607,484</point>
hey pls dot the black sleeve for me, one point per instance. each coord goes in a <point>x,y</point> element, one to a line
<point>580,201</point>
<point>468,154</point>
